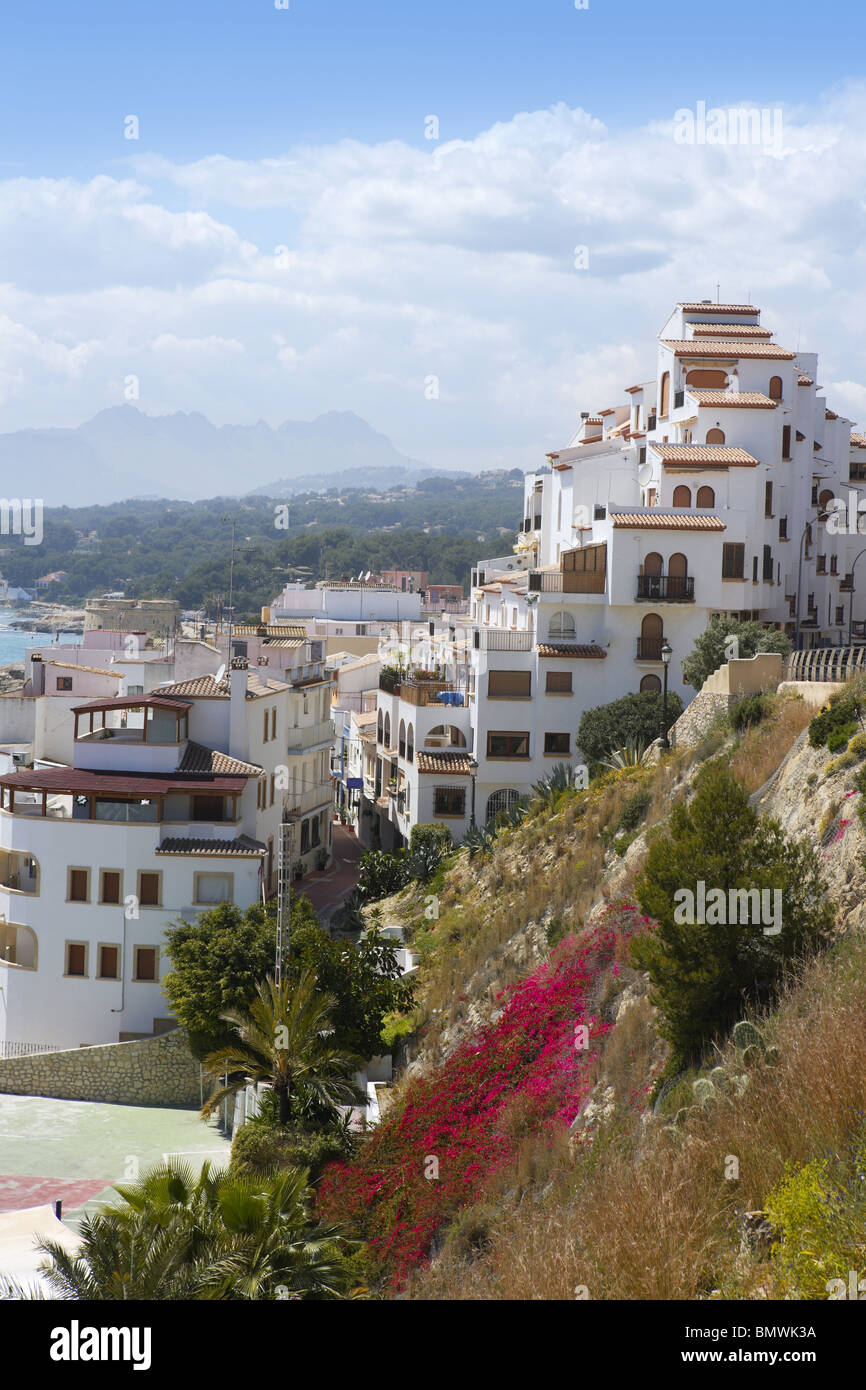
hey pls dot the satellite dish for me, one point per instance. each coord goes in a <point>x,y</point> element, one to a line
<point>644,474</point>
<point>220,673</point>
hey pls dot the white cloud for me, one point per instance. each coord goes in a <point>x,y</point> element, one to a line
<point>452,259</point>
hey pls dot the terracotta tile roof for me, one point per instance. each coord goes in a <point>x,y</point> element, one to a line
<point>199,685</point>
<point>269,630</point>
<point>81,781</point>
<point>730,330</point>
<point>805,381</point>
<point>256,686</point>
<point>181,844</point>
<point>704,455</point>
<point>74,666</point>
<point>155,698</point>
<point>571,649</point>
<point>726,348</point>
<point>729,400</point>
<point>830,415</point>
<point>858,440</point>
<point>562,467</point>
<point>198,758</point>
<point>362,720</point>
<point>454,764</point>
<point>709,307</point>
<point>666,521</point>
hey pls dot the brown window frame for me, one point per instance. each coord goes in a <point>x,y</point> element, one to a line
<point>77,869</point>
<point>498,682</point>
<point>457,794</point>
<point>734,560</point>
<point>108,946</point>
<point>508,734</point>
<point>559,751</point>
<point>567,679</point>
<point>84,946</point>
<point>111,902</point>
<point>138,978</point>
<point>149,873</point>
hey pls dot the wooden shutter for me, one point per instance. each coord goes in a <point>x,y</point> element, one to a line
<point>513,684</point>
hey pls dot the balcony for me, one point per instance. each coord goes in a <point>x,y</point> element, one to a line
<point>432,693</point>
<point>665,588</point>
<point>309,737</point>
<point>298,804</point>
<point>566,582</point>
<point>492,639</point>
<point>649,648</point>
<point>846,585</point>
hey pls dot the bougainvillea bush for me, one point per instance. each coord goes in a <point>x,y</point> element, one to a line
<point>458,1125</point>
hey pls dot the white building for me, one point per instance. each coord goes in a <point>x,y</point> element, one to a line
<point>708,490</point>
<point>172,804</point>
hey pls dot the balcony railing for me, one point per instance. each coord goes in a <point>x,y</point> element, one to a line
<point>846,585</point>
<point>493,639</point>
<point>429,692</point>
<point>651,421</point>
<point>566,582</point>
<point>301,803</point>
<point>666,588</point>
<point>679,399</point>
<point>649,648</point>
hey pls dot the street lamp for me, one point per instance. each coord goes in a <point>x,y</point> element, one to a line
<point>851,595</point>
<point>667,653</point>
<point>473,771</point>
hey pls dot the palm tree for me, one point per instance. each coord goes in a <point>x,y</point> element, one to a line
<point>284,1041</point>
<point>207,1237</point>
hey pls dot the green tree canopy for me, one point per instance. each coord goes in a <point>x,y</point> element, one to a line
<point>636,718</point>
<point>711,648</point>
<point>704,974</point>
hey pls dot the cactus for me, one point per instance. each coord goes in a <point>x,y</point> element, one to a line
<point>746,1035</point>
<point>681,1117</point>
<point>740,1082</point>
<point>752,1056</point>
<point>704,1090</point>
<point>771,1056</point>
<point>720,1079</point>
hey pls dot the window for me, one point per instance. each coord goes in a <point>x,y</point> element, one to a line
<point>754,569</point>
<point>557,743</point>
<point>76,958</point>
<point>265,736</point>
<point>715,436</point>
<point>17,945</point>
<point>209,889</point>
<point>150,889</point>
<point>821,564</point>
<point>305,836</point>
<point>274,722</point>
<point>272,787</point>
<point>775,391</point>
<point>786,441</point>
<point>783,528</point>
<point>64,682</point>
<point>109,886</point>
<point>502,745</point>
<point>599,512</point>
<point>108,963</point>
<point>768,565</point>
<point>561,625</point>
<point>768,499</point>
<point>207,808</point>
<point>840,615</point>
<point>834,564</point>
<point>682,496</point>
<point>514,685</point>
<point>558,683</point>
<point>665,394</point>
<point>449,801</point>
<point>146,963</point>
<point>733,560</point>
<point>706,497</point>
<point>315,831</point>
<point>652,683</point>
<point>78,887</point>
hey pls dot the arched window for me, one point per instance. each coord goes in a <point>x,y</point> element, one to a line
<point>379,728</point>
<point>775,391</point>
<point>824,498</point>
<point>678,565</point>
<point>410,743</point>
<point>651,638</point>
<point>561,625</point>
<point>665,394</point>
<point>386,733</point>
<point>501,801</point>
<point>682,496</point>
<point>650,683</point>
<point>18,946</point>
<point>653,564</point>
<point>708,377</point>
<point>715,436</point>
<point>444,735</point>
<point>706,497</point>
<point>401,739</point>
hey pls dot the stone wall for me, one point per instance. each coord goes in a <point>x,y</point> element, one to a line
<point>151,1071</point>
<point>697,718</point>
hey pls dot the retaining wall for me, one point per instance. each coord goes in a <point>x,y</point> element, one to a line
<point>151,1071</point>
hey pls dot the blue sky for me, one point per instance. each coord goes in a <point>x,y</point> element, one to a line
<point>282,239</point>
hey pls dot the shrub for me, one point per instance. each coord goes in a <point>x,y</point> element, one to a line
<point>635,809</point>
<point>430,833</point>
<point>837,721</point>
<point>710,649</point>
<point>260,1148</point>
<point>381,873</point>
<point>634,719</point>
<point>750,710</point>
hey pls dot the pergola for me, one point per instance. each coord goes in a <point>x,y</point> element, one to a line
<point>94,708</point>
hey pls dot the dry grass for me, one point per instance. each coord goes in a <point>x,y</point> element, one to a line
<point>650,1214</point>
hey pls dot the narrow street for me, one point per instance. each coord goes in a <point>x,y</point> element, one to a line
<point>328,891</point>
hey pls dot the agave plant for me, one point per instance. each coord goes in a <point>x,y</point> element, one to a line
<point>632,754</point>
<point>480,839</point>
<point>559,779</point>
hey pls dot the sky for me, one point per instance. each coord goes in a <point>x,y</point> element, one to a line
<point>464,221</point>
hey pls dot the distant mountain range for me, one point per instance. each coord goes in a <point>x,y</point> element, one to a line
<point>122,453</point>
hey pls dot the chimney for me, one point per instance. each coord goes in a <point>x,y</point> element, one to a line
<point>238,729</point>
<point>37,675</point>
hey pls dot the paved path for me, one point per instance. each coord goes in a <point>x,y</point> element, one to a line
<point>329,890</point>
